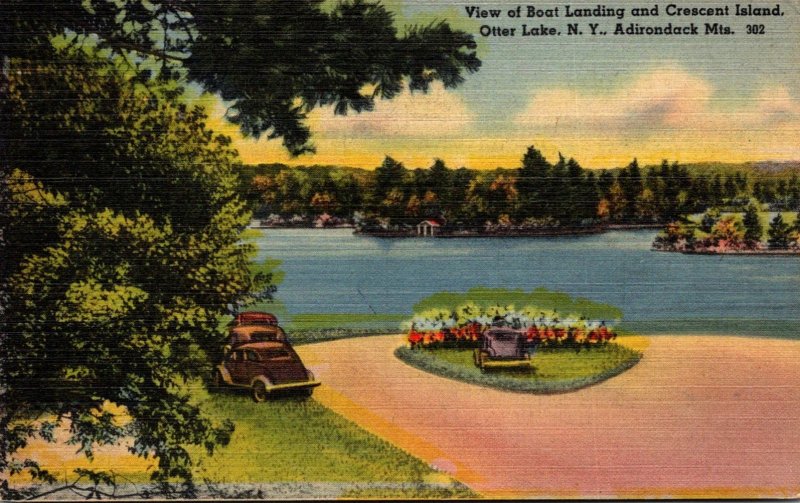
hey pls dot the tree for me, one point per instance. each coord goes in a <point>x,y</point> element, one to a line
<point>440,182</point>
<point>793,192</point>
<point>573,191</point>
<point>616,202</point>
<point>389,177</point>
<point>476,202</point>
<point>717,192</point>
<point>323,203</point>
<point>630,180</point>
<point>752,225</point>
<point>700,193</point>
<point>646,208</point>
<point>502,196</point>
<point>589,197</point>
<point>670,190</point>
<point>778,233</point>
<point>604,182</point>
<point>118,297</point>
<point>730,188</point>
<point>350,194</point>
<point>554,190</point>
<point>462,178</point>
<point>729,229</point>
<point>531,183</point>
<point>102,156</point>
<point>393,206</point>
<point>710,218</point>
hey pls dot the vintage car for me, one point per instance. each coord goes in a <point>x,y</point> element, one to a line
<point>258,356</point>
<point>502,347</point>
<point>265,368</point>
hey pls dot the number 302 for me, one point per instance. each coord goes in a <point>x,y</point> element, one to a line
<point>755,29</point>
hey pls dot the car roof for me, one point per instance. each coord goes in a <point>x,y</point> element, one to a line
<point>253,318</point>
<point>504,331</point>
<point>249,329</point>
<point>263,345</point>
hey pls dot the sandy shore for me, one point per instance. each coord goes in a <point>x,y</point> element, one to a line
<point>699,416</point>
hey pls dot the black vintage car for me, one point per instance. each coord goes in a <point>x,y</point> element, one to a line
<point>502,347</point>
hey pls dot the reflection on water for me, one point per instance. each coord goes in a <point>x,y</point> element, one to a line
<point>326,270</point>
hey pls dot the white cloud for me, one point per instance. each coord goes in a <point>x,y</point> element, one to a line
<point>437,113</point>
<point>663,101</point>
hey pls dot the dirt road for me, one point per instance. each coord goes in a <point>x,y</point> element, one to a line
<point>698,416</point>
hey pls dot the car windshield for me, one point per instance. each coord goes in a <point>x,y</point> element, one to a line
<point>263,336</point>
<point>502,337</point>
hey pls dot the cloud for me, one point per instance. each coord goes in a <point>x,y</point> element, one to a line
<point>659,102</point>
<point>437,113</point>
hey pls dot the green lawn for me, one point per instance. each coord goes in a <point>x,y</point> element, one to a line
<point>296,441</point>
<point>553,371</point>
<point>318,327</point>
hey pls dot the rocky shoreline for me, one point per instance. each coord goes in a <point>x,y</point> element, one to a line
<point>505,233</point>
<point>772,253</point>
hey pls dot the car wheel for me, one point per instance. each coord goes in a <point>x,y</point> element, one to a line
<point>259,392</point>
<point>482,361</point>
<point>218,381</point>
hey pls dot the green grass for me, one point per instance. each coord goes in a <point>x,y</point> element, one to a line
<point>316,321</point>
<point>553,371</point>
<point>308,328</point>
<point>781,329</point>
<point>540,297</point>
<point>296,441</point>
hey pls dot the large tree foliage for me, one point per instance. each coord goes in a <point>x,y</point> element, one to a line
<point>118,282</point>
<point>120,223</point>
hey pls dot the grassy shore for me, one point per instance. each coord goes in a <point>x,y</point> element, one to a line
<point>287,448</point>
<point>308,328</point>
<point>552,371</point>
<point>301,441</point>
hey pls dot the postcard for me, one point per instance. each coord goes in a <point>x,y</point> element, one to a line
<point>428,249</point>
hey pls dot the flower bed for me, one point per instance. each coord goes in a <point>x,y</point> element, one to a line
<point>568,352</point>
<point>463,327</point>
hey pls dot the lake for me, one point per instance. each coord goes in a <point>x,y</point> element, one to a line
<point>333,271</point>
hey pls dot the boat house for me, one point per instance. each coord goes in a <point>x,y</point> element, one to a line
<point>428,228</point>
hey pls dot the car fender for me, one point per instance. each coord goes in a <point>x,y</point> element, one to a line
<point>226,376</point>
<point>263,379</point>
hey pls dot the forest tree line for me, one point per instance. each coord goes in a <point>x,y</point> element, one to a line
<point>539,193</point>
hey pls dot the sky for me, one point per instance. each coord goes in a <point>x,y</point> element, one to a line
<point>602,100</point>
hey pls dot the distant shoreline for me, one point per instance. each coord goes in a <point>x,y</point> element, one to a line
<point>449,233</point>
<point>773,253</point>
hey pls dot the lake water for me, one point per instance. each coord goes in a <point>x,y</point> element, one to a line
<point>333,271</point>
